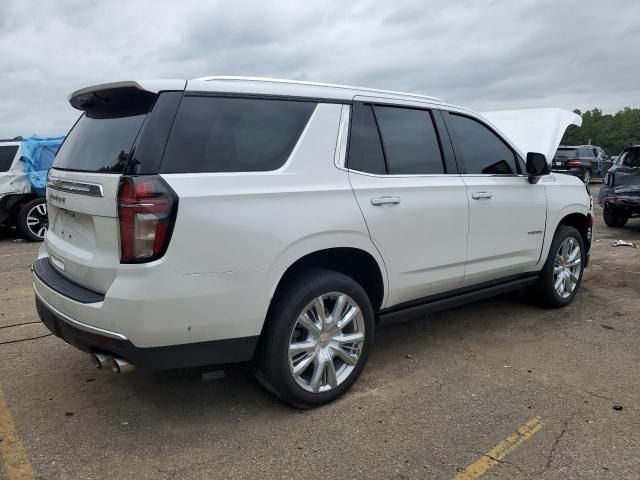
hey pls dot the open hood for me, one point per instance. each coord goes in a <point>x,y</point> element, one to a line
<point>537,130</point>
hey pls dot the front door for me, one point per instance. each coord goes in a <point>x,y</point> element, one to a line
<point>507,214</point>
<point>417,214</point>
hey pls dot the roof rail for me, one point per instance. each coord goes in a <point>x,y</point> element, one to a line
<point>314,84</point>
<point>15,139</point>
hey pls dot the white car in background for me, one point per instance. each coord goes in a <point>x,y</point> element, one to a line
<point>223,220</point>
<point>20,206</point>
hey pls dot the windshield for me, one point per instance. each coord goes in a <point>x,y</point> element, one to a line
<point>99,144</point>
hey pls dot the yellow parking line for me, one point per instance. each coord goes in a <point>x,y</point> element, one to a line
<point>13,456</point>
<point>500,451</point>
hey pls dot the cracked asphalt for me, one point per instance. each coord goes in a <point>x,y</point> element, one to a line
<point>438,393</point>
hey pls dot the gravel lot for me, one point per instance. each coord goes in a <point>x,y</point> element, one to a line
<point>438,393</point>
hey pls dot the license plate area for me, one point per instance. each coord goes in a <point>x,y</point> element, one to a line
<point>75,228</point>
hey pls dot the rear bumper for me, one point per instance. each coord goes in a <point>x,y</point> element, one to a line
<point>216,352</point>
<point>576,172</point>
<point>92,339</point>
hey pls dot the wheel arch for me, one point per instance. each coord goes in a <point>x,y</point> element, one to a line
<point>580,222</point>
<point>355,262</point>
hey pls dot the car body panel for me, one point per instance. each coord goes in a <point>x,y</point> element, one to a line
<point>506,231</point>
<point>534,130</point>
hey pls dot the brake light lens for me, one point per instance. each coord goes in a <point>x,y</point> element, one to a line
<point>147,209</point>
<point>574,163</point>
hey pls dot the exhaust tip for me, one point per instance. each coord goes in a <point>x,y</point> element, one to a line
<point>100,360</point>
<point>118,365</point>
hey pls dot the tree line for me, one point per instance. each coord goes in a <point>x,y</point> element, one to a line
<point>611,132</point>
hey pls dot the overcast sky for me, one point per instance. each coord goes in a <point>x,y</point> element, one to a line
<point>485,55</point>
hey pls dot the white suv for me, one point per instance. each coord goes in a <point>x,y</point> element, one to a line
<point>222,220</point>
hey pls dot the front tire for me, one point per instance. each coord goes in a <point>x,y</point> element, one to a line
<point>614,217</point>
<point>317,339</point>
<point>561,275</point>
<point>32,221</point>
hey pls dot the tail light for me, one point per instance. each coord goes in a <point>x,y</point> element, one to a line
<point>147,209</point>
<point>609,179</point>
<point>574,163</point>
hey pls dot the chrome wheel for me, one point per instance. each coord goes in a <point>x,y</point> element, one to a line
<point>37,220</point>
<point>326,342</point>
<point>587,177</point>
<point>566,269</point>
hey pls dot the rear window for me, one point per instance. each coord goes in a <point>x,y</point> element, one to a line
<point>7,154</point>
<point>221,134</point>
<point>586,152</point>
<point>99,144</point>
<point>631,158</point>
<point>566,153</point>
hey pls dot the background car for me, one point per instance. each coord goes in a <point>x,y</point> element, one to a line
<point>23,169</point>
<point>620,194</point>
<point>583,161</point>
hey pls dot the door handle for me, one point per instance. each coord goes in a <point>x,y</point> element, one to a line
<point>385,201</point>
<point>480,195</point>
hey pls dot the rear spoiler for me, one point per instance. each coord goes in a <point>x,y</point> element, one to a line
<point>121,98</point>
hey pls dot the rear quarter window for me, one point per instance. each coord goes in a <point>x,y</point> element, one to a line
<point>221,134</point>
<point>7,154</point>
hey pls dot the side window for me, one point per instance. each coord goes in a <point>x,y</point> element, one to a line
<point>365,149</point>
<point>410,142</point>
<point>7,154</point>
<point>632,158</point>
<point>219,134</point>
<point>482,151</point>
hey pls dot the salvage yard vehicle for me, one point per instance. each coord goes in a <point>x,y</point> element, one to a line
<point>228,219</point>
<point>620,193</point>
<point>583,161</point>
<point>23,168</point>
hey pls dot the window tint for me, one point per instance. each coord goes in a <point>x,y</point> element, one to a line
<point>566,153</point>
<point>7,154</point>
<point>632,158</point>
<point>99,144</point>
<point>215,134</point>
<point>365,149</point>
<point>585,152</point>
<point>482,150</point>
<point>410,141</point>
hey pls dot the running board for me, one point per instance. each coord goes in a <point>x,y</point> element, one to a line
<point>452,300</point>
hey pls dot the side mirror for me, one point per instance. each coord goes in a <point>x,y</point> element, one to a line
<point>537,166</point>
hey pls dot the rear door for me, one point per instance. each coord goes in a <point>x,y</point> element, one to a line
<point>82,187</point>
<point>507,214</point>
<point>413,201</point>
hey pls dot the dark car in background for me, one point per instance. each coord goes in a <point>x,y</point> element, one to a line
<point>620,193</point>
<point>583,161</point>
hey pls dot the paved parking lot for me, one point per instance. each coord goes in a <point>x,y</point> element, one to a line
<point>500,387</point>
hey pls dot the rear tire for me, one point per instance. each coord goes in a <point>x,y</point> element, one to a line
<point>561,275</point>
<point>32,221</point>
<point>614,217</point>
<point>586,176</point>
<point>305,355</point>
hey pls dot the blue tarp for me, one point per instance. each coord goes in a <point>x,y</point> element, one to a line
<point>37,156</point>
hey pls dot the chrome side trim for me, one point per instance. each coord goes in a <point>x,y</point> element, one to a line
<point>343,136</point>
<point>80,188</point>
<point>75,323</point>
